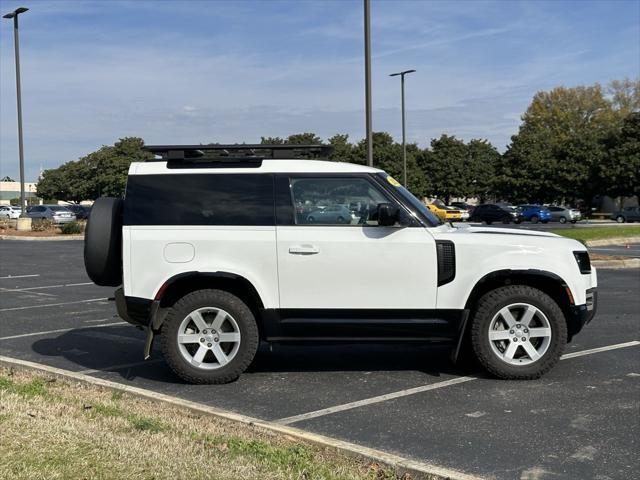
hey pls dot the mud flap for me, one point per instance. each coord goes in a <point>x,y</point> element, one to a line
<point>156,317</point>
<point>455,353</point>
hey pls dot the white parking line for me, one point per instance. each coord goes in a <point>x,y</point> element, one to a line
<point>118,367</point>
<point>18,276</point>
<point>566,356</point>
<point>61,330</point>
<point>29,292</point>
<point>426,388</point>
<point>369,401</point>
<point>46,287</point>
<point>52,304</point>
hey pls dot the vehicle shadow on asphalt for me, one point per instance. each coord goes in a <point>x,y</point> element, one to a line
<point>105,349</point>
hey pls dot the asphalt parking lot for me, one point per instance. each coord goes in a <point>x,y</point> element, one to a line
<point>582,420</point>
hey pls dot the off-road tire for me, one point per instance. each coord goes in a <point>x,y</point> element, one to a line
<point>484,312</point>
<point>103,242</point>
<point>210,298</point>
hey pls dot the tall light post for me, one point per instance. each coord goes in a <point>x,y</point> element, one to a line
<point>367,80</point>
<point>14,15</point>
<point>404,137</point>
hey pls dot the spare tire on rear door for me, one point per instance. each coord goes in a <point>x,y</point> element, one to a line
<point>103,242</point>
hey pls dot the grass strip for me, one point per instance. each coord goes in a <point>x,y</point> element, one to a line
<point>58,429</point>
<point>597,233</point>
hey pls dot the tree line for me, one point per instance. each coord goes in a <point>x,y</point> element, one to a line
<point>572,144</point>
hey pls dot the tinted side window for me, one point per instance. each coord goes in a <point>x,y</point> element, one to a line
<point>335,201</point>
<point>199,199</point>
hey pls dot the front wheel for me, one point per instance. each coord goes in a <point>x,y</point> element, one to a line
<point>209,336</point>
<point>620,219</point>
<point>518,332</point>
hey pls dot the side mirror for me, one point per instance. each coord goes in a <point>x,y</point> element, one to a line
<point>388,214</point>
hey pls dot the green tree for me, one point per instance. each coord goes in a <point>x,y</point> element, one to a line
<point>619,172</point>
<point>557,149</point>
<point>444,165</point>
<point>100,173</point>
<point>387,155</point>
<point>480,171</point>
<point>343,150</point>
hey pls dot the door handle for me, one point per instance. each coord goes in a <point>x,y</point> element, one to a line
<point>304,250</point>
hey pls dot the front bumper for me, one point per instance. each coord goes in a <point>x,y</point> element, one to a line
<point>581,315</point>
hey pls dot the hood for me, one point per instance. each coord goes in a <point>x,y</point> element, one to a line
<point>466,230</point>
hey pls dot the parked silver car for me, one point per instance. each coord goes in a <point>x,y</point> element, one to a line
<point>564,214</point>
<point>56,213</point>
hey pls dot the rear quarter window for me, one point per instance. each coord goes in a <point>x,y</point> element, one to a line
<point>199,199</point>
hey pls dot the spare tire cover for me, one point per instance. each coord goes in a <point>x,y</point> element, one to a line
<point>103,242</point>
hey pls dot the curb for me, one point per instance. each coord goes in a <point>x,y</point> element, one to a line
<point>630,263</point>
<point>42,239</point>
<point>400,464</point>
<point>613,241</point>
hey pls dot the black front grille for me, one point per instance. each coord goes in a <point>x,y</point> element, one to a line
<point>446,252</point>
<point>583,261</point>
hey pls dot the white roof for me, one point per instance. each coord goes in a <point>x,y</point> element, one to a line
<point>268,166</point>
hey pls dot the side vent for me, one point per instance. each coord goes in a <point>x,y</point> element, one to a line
<point>446,251</point>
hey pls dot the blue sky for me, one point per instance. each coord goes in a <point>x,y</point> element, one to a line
<point>231,71</point>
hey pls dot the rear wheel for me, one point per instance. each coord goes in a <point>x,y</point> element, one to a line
<point>534,219</point>
<point>518,332</point>
<point>209,336</point>
<point>563,220</point>
<point>620,219</point>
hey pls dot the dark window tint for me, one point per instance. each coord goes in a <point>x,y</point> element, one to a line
<point>199,199</point>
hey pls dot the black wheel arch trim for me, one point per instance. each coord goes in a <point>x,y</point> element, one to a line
<point>150,314</point>
<point>574,314</point>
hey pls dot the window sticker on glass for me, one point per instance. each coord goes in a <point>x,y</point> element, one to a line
<point>393,181</point>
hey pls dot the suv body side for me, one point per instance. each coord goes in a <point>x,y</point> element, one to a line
<point>345,280</point>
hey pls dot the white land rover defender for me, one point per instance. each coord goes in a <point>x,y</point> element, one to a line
<point>216,248</point>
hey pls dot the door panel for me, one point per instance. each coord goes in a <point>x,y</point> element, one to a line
<point>356,267</point>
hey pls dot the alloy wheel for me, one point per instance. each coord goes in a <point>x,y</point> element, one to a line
<point>208,338</point>
<point>519,334</point>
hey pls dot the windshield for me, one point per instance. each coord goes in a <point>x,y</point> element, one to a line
<point>415,203</point>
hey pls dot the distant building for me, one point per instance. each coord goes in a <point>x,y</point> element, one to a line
<point>11,190</point>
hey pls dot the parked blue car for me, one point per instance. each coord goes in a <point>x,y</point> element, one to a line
<point>535,213</point>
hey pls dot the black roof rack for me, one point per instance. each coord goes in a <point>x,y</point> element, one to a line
<point>235,153</point>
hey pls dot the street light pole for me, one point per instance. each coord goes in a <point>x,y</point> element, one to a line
<point>367,80</point>
<point>404,136</point>
<point>14,15</point>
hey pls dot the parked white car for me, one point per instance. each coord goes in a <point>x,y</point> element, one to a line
<point>227,263</point>
<point>8,211</point>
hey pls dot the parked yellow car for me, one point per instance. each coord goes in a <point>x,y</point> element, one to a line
<point>444,213</point>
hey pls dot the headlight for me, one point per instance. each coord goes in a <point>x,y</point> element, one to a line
<point>583,261</point>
